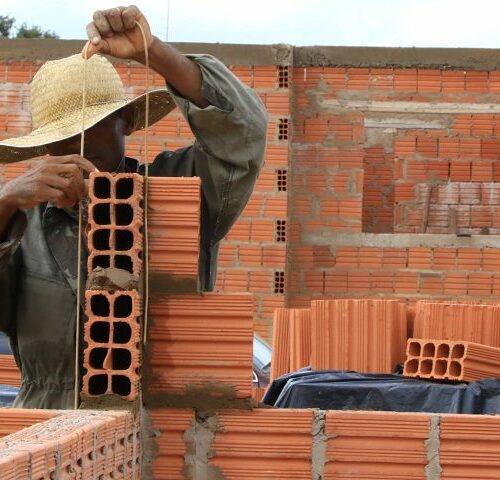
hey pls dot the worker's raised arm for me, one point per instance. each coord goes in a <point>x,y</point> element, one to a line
<point>115,32</point>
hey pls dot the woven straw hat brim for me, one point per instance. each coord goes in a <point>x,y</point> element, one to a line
<point>34,144</point>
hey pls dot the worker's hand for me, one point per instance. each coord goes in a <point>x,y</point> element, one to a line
<point>55,179</point>
<point>115,32</point>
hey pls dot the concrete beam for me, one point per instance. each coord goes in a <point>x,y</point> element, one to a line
<point>334,239</point>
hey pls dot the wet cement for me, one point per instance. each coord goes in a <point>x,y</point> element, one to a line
<point>211,396</point>
<point>198,440</point>
<point>112,279</point>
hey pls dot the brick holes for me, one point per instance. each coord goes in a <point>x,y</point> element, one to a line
<point>283,126</point>
<point>282,77</point>
<point>102,187</point>
<point>124,188</point>
<point>281,230</point>
<point>279,282</point>
<point>101,214</point>
<point>281,179</point>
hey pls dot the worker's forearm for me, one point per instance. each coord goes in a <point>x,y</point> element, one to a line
<point>180,72</point>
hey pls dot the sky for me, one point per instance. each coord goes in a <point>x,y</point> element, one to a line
<point>384,23</point>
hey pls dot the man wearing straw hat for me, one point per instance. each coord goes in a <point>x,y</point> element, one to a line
<point>38,218</point>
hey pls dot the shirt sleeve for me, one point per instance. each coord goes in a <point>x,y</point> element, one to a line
<point>230,141</point>
<point>10,261</point>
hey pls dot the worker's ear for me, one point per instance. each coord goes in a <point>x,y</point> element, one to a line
<point>128,117</point>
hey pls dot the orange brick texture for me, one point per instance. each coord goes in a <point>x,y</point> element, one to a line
<point>372,165</point>
<point>335,165</point>
<point>445,360</point>
<point>361,335</point>
<point>83,444</point>
<point>254,251</point>
<point>9,373</point>
<point>332,445</point>
<point>115,221</point>
<point>112,358</point>
<point>200,350</point>
<point>174,227</point>
<point>112,355</point>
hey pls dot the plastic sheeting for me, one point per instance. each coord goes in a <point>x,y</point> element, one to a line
<point>7,395</point>
<point>343,390</point>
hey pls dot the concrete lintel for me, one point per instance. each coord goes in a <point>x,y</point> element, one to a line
<point>336,106</point>
<point>41,50</point>
<point>334,239</point>
<point>451,58</point>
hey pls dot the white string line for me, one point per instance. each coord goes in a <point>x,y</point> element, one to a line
<point>145,255</point>
<point>80,222</point>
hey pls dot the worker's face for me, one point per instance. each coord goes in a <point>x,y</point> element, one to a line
<point>104,142</point>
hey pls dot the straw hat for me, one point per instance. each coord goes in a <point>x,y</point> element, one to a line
<point>56,104</point>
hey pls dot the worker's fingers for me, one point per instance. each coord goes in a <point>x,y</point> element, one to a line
<point>81,162</point>
<point>93,34</point>
<point>114,17</point>
<point>130,15</point>
<point>102,24</point>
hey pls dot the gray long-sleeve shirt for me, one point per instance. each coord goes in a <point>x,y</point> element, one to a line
<point>38,261</point>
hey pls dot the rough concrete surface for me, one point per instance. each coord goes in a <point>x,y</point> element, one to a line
<point>198,440</point>
<point>397,240</point>
<point>281,54</point>
<point>112,279</point>
<point>319,440</point>
<point>433,468</point>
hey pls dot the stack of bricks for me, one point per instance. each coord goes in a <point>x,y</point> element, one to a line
<point>457,342</point>
<point>112,335</point>
<point>84,444</point>
<point>366,335</point>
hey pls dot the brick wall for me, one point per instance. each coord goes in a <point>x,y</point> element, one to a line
<point>409,153</point>
<point>376,160</point>
<point>252,257</point>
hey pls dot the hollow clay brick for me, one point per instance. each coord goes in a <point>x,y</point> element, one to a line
<point>375,445</point>
<point>361,335</point>
<point>469,447</point>
<point>115,213</point>
<point>174,226</point>
<point>280,361</point>
<point>170,425</point>
<point>9,373</point>
<point>15,419</point>
<point>79,444</point>
<point>112,357</point>
<point>263,443</point>
<point>449,360</point>
<point>291,340</point>
<point>467,322</point>
<point>202,342</point>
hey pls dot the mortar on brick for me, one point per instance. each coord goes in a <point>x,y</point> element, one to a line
<point>199,439</point>
<point>433,468</point>
<point>319,443</point>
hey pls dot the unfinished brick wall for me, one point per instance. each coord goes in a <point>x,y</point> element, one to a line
<point>360,142</point>
<point>252,257</point>
<point>384,150</point>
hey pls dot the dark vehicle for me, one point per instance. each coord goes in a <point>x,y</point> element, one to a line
<point>261,362</point>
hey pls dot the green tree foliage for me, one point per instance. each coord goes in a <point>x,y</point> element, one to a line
<point>7,25</point>
<point>34,32</point>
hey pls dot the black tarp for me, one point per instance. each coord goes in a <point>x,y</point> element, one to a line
<point>343,390</point>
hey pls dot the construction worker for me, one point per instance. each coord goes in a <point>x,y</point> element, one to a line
<point>38,214</point>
